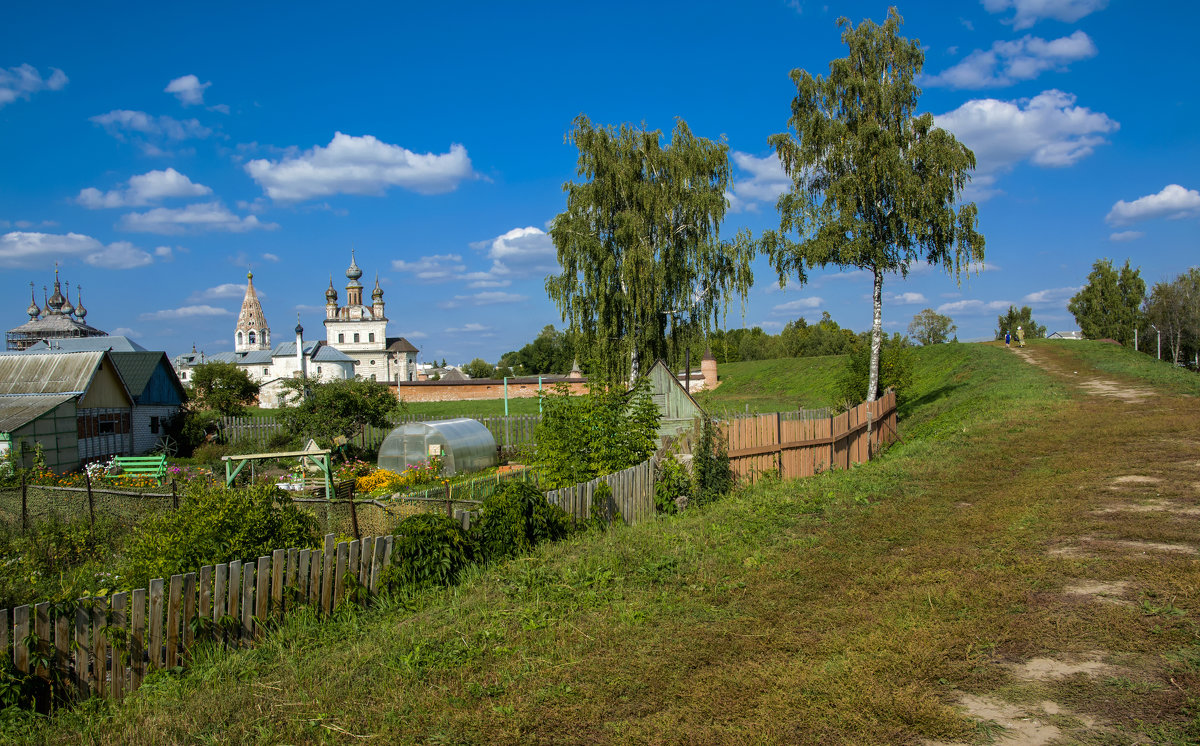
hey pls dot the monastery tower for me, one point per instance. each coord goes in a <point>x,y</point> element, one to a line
<point>252,332</point>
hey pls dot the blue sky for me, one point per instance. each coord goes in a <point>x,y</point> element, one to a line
<point>157,152</point>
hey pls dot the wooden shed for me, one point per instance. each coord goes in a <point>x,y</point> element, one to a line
<point>676,406</point>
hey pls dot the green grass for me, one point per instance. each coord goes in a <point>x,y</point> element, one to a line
<point>852,607</point>
<point>775,385</point>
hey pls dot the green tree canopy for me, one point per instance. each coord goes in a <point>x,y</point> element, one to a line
<point>1109,305</point>
<point>327,409</point>
<point>874,185</point>
<point>479,368</point>
<point>1023,318</point>
<point>930,327</point>
<point>223,388</point>
<point>550,352</point>
<point>639,242</point>
<point>1174,309</point>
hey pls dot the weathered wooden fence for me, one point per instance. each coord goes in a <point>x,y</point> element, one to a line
<point>798,444</point>
<point>509,431</point>
<point>632,494</point>
<point>105,646</point>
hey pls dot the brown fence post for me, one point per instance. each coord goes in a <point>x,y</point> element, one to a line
<point>449,504</point>
<point>87,477</point>
<point>24,502</point>
<point>174,494</point>
<point>353,512</point>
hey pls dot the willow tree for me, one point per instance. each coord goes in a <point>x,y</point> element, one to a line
<point>639,242</point>
<point>874,184</point>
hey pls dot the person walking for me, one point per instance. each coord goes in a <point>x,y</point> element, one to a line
<point>1020,337</point>
<point>1007,338</point>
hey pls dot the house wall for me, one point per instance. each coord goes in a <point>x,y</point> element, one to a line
<point>106,389</point>
<point>475,390</point>
<point>56,432</point>
<point>146,437</point>
<point>104,432</point>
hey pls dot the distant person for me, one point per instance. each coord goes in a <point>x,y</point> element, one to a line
<point>1007,338</point>
<point>1020,337</point>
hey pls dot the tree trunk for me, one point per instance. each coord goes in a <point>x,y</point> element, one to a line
<point>876,336</point>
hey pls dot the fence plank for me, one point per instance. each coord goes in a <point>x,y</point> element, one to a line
<point>339,579</point>
<point>156,623</point>
<point>137,640</point>
<point>189,614</point>
<point>20,633</point>
<point>83,648</point>
<point>62,643</point>
<point>387,550</point>
<point>289,578</point>
<point>41,626</point>
<point>173,614</point>
<point>368,561</point>
<point>377,564</point>
<point>302,570</point>
<point>279,559</point>
<point>206,594</point>
<point>247,602</point>
<point>233,604</point>
<point>119,643</point>
<point>327,574</point>
<point>352,564</point>
<point>314,578</point>
<point>100,645</point>
<point>262,595</point>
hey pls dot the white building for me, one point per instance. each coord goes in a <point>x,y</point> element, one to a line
<point>360,331</point>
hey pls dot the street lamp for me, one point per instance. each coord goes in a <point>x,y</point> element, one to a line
<point>1159,333</point>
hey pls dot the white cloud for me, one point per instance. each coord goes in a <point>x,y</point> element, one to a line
<point>414,335</point>
<point>1008,62</point>
<point>188,89</point>
<point>144,189</point>
<point>490,298</point>
<point>800,304</point>
<point>122,123</point>
<point>206,216</point>
<point>1125,236</point>
<point>520,252</point>
<point>23,81</point>
<point>1028,12</point>
<point>1050,296</point>
<point>124,331</point>
<point>434,268</point>
<point>974,306</point>
<point>904,299</point>
<point>359,165</point>
<point>1173,202</point>
<point>225,290</point>
<point>119,255</point>
<point>764,182</point>
<point>184,312</point>
<point>269,257</point>
<point>26,249</point>
<point>470,328</point>
<point>163,251</point>
<point>1048,130</point>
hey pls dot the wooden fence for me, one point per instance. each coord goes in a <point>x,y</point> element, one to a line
<point>509,431</point>
<point>796,444</point>
<point>632,494</point>
<point>105,646</point>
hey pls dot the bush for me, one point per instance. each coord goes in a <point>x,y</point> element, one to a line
<point>283,440</point>
<point>430,549</point>
<point>711,470</point>
<point>190,430</point>
<point>215,525</point>
<point>515,519</point>
<point>211,453</point>
<point>895,371</point>
<point>672,486</point>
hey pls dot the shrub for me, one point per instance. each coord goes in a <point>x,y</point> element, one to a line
<point>430,549</point>
<point>711,470</point>
<point>215,525</point>
<point>283,440</point>
<point>515,519</point>
<point>672,485</point>
<point>603,509</point>
<point>895,371</point>
<point>211,453</point>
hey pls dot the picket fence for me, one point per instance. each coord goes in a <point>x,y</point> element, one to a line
<point>632,494</point>
<point>106,646</point>
<point>510,431</point>
<point>801,444</point>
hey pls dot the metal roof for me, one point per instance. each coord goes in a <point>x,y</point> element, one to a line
<point>88,344</point>
<point>56,324</point>
<point>16,411</point>
<point>48,373</point>
<point>136,369</point>
<point>400,344</point>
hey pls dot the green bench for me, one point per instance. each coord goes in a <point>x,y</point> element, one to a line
<point>154,467</point>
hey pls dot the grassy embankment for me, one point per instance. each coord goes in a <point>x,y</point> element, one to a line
<point>775,385</point>
<point>854,607</point>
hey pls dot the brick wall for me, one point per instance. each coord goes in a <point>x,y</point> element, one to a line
<point>476,390</point>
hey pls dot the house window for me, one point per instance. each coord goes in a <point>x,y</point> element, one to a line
<point>183,376</point>
<point>239,337</point>
<point>318,370</point>
<point>252,337</point>
<point>372,362</point>
<point>154,425</point>
<point>372,376</point>
<point>266,371</point>
<point>356,336</point>
<point>371,337</point>
<point>341,337</point>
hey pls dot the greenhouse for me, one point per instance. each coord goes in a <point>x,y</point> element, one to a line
<point>464,446</point>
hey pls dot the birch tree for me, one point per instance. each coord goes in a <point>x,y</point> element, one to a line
<point>875,185</point>
<point>639,243</point>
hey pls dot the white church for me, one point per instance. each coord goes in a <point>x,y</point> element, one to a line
<point>356,344</point>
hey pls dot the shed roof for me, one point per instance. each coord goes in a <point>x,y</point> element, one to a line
<point>48,373</point>
<point>136,369</point>
<point>16,411</point>
<point>88,344</point>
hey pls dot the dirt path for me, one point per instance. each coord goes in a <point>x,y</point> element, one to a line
<point>1128,556</point>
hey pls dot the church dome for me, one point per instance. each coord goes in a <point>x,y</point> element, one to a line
<point>33,309</point>
<point>353,272</point>
<point>80,311</point>
<point>377,293</point>
<point>331,294</point>
<point>67,309</point>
